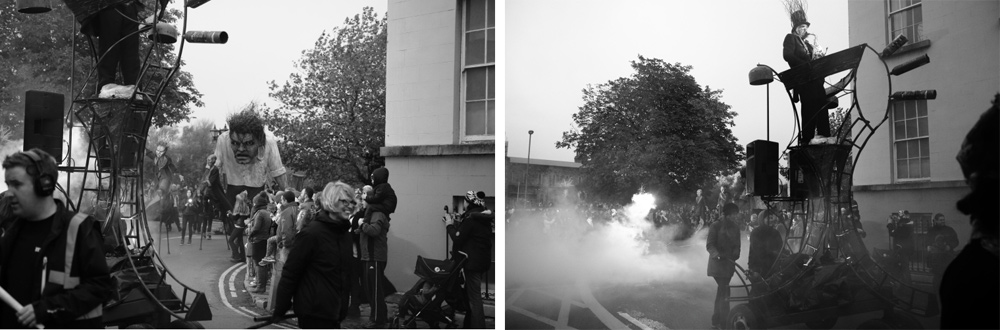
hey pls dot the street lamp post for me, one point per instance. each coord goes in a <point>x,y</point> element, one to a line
<point>217,132</point>
<point>528,166</point>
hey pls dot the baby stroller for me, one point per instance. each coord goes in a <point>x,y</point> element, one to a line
<point>435,296</point>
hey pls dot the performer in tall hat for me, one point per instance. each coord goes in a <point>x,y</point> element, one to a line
<point>812,96</point>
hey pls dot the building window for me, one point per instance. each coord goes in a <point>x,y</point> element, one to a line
<point>910,140</point>
<point>478,70</point>
<point>906,18</point>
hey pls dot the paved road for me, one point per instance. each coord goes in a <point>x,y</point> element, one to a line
<point>204,266</point>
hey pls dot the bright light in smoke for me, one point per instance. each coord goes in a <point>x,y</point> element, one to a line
<point>641,204</point>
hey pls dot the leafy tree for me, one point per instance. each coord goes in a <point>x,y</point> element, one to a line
<point>331,122</point>
<point>657,129</point>
<point>37,52</point>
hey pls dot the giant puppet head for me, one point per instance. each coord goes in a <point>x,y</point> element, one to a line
<point>246,134</point>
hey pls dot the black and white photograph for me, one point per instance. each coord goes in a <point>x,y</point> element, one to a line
<point>248,164</point>
<point>755,164</point>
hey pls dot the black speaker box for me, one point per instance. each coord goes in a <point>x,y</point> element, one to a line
<point>762,168</point>
<point>43,122</point>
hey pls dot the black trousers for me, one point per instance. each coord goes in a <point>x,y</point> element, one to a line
<point>374,282</point>
<point>117,43</point>
<point>721,311</point>
<point>476,318</point>
<point>815,116</point>
<point>306,322</point>
<point>191,224</point>
<point>236,243</point>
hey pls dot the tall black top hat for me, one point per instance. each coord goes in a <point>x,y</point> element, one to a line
<point>799,18</point>
<point>796,12</point>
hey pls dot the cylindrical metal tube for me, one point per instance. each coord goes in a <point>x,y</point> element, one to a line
<point>33,6</point>
<point>892,47</point>
<point>910,65</point>
<point>207,37</point>
<point>195,3</point>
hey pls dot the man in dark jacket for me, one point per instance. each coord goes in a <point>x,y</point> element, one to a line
<point>723,244</point>
<point>316,271</point>
<point>941,243</point>
<point>473,236</point>
<point>51,260</point>
<point>901,232</point>
<point>765,245</point>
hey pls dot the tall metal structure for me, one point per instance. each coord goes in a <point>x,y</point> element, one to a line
<point>824,270</point>
<point>109,183</point>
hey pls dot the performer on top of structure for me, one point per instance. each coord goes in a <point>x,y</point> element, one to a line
<point>812,95</point>
<point>247,157</point>
<point>111,21</point>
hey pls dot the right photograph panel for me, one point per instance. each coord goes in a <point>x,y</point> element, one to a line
<point>746,164</point>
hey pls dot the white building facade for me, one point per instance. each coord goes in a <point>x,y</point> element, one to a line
<point>909,163</point>
<point>440,127</point>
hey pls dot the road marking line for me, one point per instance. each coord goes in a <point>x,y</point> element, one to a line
<point>638,323</point>
<point>564,313</point>
<point>249,311</point>
<point>222,291</point>
<point>513,298</point>
<point>538,318</point>
<point>609,320</point>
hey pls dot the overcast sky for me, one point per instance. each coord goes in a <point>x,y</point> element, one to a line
<point>265,40</point>
<point>554,49</point>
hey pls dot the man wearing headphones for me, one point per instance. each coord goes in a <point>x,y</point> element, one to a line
<point>51,260</point>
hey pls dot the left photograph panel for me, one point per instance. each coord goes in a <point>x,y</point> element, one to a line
<point>211,164</point>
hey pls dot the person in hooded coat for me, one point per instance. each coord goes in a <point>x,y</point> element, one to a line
<point>473,236</point>
<point>316,271</point>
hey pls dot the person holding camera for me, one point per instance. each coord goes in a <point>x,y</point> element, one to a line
<point>901,232</point>
<point>472,236</point>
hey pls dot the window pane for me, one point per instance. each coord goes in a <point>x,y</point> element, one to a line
<point>925,147</point>
<point>920,31</point>
<point>490,47</point>
<point>913,148</point>
<point>900,150</point>
<point>897,111</point>
<point>911,128</point>
<point>475,118</point>
<point>925,167</point>
<point>475,17</point>
<point>922,125</point>
<point>898,130</point>
<point>475,48</point>
<point>911,109</point>
<point>922,108</point>
<point>902,171</point>
<point>491,72</point>
<point>475,84</point>
<point>490,118</point>
<point>491,13</point>
<point>915,169</point>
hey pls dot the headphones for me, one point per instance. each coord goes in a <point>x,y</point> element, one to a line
<point>45,184</point>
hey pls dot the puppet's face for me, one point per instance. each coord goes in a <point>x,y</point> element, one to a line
<point>245,147</point>
<point>160,150</point>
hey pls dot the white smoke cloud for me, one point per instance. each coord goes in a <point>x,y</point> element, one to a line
<point>629,251</point>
